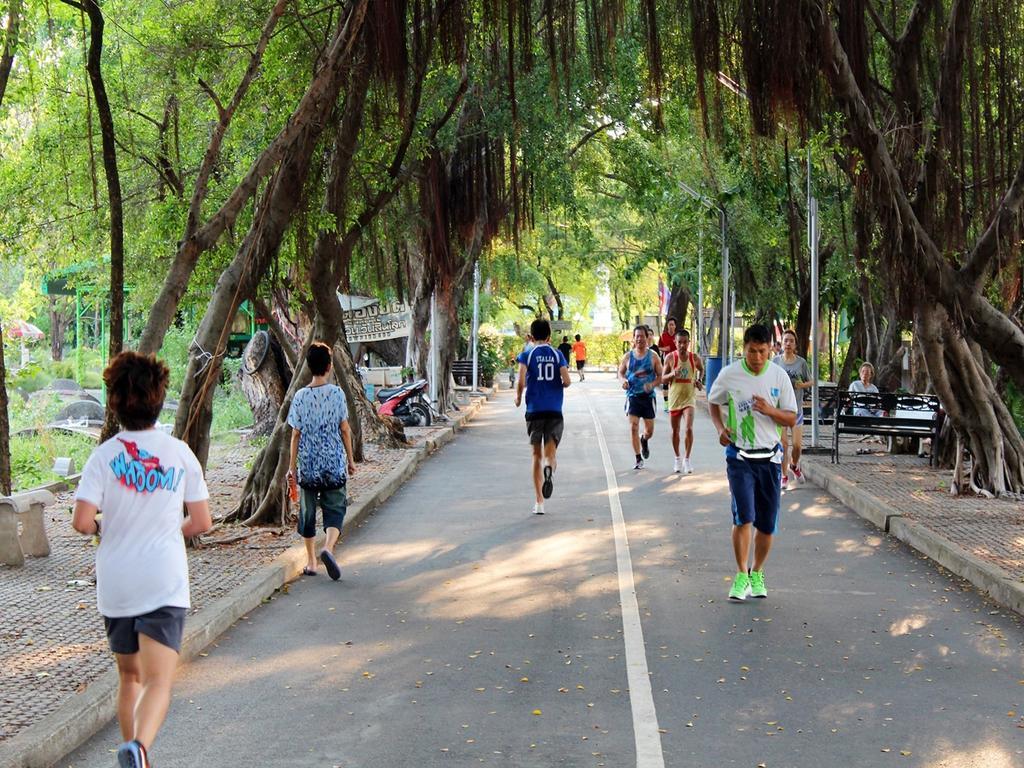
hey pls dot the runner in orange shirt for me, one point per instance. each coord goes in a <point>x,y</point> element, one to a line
<point>579,350</point>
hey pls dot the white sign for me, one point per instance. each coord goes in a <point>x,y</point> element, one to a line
<point>385,320</point>
<point>561,325</point>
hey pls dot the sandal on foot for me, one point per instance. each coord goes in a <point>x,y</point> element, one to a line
<point>330,564</point>
<point>307,571</point>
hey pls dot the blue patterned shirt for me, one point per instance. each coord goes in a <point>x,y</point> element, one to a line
<point>317,413</point>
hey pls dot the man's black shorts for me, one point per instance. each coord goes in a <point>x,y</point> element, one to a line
<point>641,405</point>
<point>165,625</point>
<point>544,427</point>
<point>580,364</point>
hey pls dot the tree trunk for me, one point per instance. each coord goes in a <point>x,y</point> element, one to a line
<point>447,330</point>
<point>59,323</point>
<point>392,351</point>
<point>981,419</point>
<point>307,117</point>
<point>10,44</point>
<point>262,382</point>
<point>240,278</point>
<point>679,303</point>
<point>423,288</point>
<point>5,426</point>
<point>116,301</point>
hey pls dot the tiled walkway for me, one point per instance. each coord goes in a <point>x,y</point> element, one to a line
<point>52,642</point>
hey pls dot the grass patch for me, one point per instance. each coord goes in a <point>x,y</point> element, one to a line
<point>32,457</point>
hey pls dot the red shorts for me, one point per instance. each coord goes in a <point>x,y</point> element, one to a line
<point>681,411</point>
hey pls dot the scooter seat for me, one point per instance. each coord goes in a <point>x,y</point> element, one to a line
<point>385,394</point>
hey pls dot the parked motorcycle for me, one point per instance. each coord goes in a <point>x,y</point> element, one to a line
<point>407,403</point>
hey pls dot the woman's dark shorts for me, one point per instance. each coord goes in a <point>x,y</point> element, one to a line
<point>580,364</point>
<point>334,503</point>
<point>545,429</point>
<point>165,625</point>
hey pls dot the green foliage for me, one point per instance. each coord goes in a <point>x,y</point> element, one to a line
<point>604,349</point>
<point>230,408</point>
<point>1015,402</point>
<point>32,457</point>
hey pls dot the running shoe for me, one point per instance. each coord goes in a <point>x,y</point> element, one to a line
<point>785,481</point>
<point>538,509</point>
<point>677,464</point>
<point>132,754</point>
<point>740,587</point>
<point>645,449</point>
<point>798,474</point>
<point>757,588</point>
<point>549,485</point>
<point>639,464</point>
<point>687,466</point>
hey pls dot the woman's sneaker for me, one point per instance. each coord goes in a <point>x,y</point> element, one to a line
<point>688,466</point>
<point>549,484</point>
<point>538,509</point>
<point>132,754</point>
<point>645,449</point>
<point>677,465</point>
<point>740,587</point>
<point>757,588</point>
<point>798,474</point>
<point>785,481</point>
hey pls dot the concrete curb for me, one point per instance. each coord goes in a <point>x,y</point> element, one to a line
<point>61,732</point>
<point>989,578</point>
<point>862,502</point>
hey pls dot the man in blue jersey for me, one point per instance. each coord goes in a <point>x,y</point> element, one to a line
<point>640,373</point>
<point>544,374</point>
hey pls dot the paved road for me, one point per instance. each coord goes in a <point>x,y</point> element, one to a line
<point>466,631</point>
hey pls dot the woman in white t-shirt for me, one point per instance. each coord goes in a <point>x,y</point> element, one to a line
<point>139,479</point>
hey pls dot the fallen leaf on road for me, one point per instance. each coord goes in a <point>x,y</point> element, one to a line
<point>537,712</point>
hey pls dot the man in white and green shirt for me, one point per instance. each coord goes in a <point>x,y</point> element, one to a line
<point>760,402</point>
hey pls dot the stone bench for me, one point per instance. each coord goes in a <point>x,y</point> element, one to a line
<point>27,509</point>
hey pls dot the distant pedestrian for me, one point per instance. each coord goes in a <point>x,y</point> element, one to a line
<point>759,399</point>
<point>139,480</point>
<point>565,348</point>
<point>684,372</point>
<point>320,458</point>
<point>640,373</point>
<point>530,342</point>
<point>666,346</point>
<point>544,374</point>
<point>864,386</point>
<point>799,373</point>
<point>579,351</point>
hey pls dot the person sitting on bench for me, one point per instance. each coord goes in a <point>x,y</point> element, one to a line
<point>863,385</point>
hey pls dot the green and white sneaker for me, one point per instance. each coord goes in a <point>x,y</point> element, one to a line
<point>740,587</point>
<point>757,588</point>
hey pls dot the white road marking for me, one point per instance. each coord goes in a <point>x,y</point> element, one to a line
<point>641,698</point>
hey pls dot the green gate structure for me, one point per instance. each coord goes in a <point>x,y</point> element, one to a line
<point>79,281</point>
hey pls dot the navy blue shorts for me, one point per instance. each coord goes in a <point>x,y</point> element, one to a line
<point>641,405</point>
<point>755,490</point>
<point>165,625</point>
<point>334,503</point>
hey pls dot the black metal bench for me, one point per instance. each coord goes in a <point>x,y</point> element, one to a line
<point>826,405</point>
<point>462,372</point>
<point>903,415</point>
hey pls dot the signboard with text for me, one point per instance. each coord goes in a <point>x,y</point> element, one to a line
<point>378,322</point>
